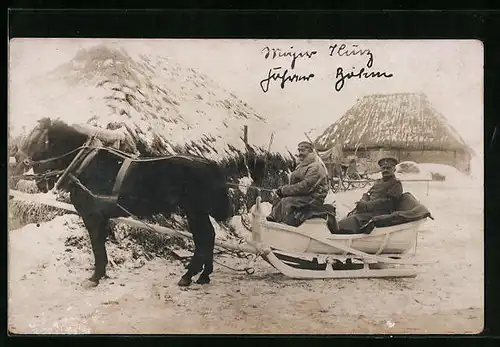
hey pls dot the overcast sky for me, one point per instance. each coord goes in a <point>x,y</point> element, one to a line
<point>449,72</point>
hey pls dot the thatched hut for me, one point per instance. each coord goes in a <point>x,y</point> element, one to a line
<point>165,107</point>
<point>404,125</point>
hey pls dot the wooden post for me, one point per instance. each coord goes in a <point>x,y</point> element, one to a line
<point>245,134</point>
<point>256,218</point>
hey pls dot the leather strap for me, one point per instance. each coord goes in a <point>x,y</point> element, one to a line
<point>75,160</point>
<point>120,176</point>
<point>86,161</point>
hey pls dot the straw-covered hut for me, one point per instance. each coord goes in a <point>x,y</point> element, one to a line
<point>404,125</point>
<point>165,107</point>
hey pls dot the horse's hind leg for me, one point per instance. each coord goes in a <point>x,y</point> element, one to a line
<point>208,232</point>
<point>203,236</point>
<point>97,227</point>
<point>196,263</point>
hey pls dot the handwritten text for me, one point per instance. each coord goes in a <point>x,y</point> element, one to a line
<point>341,77</point>
<point>274,75</point>
<point>342,52</point>
<point>273,53</point>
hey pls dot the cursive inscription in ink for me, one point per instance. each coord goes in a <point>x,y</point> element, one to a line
<point>273,53</point>
<point>342,75</point>
<point>274,75</point>
<point>341,51</point>
<point>285,75</point>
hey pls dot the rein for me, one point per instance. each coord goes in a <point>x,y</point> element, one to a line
<point>120,154</point>
<point>48,160</point>
<point>39,176</point>
<point>247,186</point>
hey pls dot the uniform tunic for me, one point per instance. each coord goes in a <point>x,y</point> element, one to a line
<point>308,187</point>
<point>382,198</point>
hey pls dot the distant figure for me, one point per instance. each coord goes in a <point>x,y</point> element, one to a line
<point>382,198</point>
<point>335,167</point>
<point>308,188</point>
<point>352,168</point>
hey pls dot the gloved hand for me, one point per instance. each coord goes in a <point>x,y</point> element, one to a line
<point>361,206</point>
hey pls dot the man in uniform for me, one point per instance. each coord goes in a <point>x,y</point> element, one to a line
<point>382,198</point>
<point>308,188</point>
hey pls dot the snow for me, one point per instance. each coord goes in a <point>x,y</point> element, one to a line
<point>265,208</point>
<point>446,296</point>
<point>244,183</point>
<point>451,173</point>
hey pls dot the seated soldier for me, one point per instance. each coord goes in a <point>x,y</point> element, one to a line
<point>381,199</point>
<point>308,188</point>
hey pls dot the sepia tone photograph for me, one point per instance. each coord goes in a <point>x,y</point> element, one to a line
<point>240,186</point>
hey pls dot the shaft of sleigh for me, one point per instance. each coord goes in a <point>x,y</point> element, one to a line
<point>248,248</point>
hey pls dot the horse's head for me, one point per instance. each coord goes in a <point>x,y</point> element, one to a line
<point>32,147</point>
<point>48,140</point>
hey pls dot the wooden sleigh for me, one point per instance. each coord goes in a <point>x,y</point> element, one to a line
<point>310,251</point>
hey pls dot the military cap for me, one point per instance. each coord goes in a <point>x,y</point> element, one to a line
<point>388,160</point>
<point>306,144</point>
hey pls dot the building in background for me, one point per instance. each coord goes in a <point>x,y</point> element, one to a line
<point>404,125</point>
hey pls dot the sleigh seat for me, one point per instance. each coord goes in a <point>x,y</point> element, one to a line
<point>408,210</point>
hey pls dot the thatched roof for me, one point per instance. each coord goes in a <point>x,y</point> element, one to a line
<point>397,121</point>
<point>166,107</point>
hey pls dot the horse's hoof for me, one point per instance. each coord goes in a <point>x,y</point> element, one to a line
<point>203,280</point>
<point>87,284</point>
<point>184,282</point>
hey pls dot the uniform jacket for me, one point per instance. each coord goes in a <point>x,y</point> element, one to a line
<point>308,179</point>
<point>382,197</point>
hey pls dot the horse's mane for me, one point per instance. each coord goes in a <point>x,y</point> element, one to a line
<point>56,125</point>
<point>29,139</point>
<point>43,125</point>
<point>49,124</point>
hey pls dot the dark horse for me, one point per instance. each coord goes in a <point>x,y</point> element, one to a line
<point>148,187</point>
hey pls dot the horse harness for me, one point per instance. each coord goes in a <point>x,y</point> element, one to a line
<point>88,152</point>
<point>85,157</point>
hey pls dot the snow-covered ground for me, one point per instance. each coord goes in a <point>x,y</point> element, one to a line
<point>450,174</point>
<point>142,296</point>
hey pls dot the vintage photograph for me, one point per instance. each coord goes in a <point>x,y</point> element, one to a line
<point>240,186</point>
